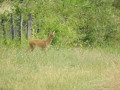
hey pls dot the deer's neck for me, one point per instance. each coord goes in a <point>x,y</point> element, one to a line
<point>49,40</point>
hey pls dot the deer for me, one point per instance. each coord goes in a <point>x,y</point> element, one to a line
<point>43,44</point>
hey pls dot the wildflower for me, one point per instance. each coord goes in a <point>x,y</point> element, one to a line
<point>80,45</point>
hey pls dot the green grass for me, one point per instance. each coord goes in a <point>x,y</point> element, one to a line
<point>62,69</point>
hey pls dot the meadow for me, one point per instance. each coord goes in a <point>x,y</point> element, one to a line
<point>61,69</point>
<point>87,33</point>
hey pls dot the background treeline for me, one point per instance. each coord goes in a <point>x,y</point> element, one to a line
<point>76,22</point>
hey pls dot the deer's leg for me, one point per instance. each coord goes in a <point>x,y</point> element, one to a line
<point>44,50</point>
<point>32,47</point>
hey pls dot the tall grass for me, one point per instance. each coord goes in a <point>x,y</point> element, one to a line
<point>61,69</point>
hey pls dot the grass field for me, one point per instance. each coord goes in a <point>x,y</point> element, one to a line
<point>61,69</point>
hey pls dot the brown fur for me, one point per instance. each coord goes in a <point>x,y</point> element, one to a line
<point>41,43</point>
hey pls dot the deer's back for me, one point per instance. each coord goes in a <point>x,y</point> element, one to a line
<point>38,42</point>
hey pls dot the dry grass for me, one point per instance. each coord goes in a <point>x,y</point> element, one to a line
<point>111,79</point>
<point>64,69</point>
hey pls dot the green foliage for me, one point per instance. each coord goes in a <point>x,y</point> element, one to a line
<point>87,22</point>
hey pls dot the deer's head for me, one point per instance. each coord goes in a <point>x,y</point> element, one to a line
<point>52,34</point>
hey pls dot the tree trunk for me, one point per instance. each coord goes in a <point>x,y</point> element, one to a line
<point>29,26</point>
<point>13,29</point>
<point>20,27</point>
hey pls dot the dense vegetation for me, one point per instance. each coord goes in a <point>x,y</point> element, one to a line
<point>76,22</point>
<point>81,24</point>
